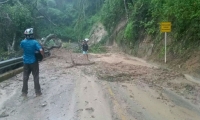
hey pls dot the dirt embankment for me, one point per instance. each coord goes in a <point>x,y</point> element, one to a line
<point>126,69</point>
<point>146,48</point>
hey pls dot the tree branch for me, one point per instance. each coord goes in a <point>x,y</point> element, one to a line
<point>125,6</point>
<point>19,2</point>
<point>6,16</point>
<point>4,2</point>
<point>45,17</point>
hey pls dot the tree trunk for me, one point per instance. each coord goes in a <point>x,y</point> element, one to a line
<point>11,48</point>
<point>49,37</point>
<point>13,43</point>
<point>125,6</point>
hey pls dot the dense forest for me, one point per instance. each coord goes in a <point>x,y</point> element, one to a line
<point>73,19</point>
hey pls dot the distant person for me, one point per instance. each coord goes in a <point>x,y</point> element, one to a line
<point>31,65</point>
<point>85,49</point>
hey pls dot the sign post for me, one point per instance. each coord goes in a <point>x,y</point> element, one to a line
<point>165,47</point>
<point>165,27</point>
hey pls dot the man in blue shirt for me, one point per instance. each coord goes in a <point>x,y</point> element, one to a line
<point>30,46</point>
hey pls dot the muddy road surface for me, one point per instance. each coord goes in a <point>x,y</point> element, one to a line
<point>111,86</point>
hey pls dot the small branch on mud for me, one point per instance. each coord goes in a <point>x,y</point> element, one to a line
<point>118,63</point>
<point>80,64</point>
<point>77,64</point>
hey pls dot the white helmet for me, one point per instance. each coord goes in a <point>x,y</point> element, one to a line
<point>28,31</point>
<point>86,39</point>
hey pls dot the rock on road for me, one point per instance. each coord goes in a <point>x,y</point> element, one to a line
<point>116,87</point>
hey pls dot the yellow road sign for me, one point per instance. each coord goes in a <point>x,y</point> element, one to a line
<point>165,27</point>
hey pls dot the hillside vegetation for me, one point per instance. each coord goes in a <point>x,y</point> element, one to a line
<point>74,19</point>
<point>144,18</point>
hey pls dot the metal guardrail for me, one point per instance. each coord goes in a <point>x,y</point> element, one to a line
<point>14,63</point>
<point>10,64</point>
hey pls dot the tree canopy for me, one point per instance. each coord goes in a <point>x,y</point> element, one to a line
<point>73,19</point>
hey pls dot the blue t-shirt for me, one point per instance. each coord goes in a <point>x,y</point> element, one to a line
<point>29,47</point>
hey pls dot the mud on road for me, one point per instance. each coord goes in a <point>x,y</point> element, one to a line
<point>116,87</point>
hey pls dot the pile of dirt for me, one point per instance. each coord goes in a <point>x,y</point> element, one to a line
<point>114,67</point>
<point>156,78</point>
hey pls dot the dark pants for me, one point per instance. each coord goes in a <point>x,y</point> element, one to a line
<point>28,68</point>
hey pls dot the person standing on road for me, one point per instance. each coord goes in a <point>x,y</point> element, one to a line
<point>30,46</point>
<point>85,49</point>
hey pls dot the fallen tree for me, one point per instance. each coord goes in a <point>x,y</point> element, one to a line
<point>57,41</point>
